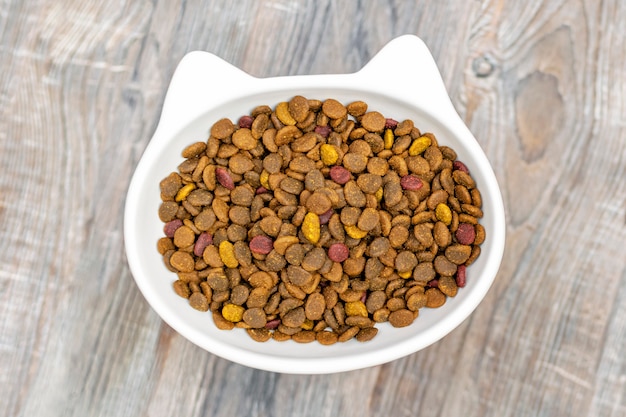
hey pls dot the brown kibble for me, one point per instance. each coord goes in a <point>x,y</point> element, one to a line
<point>392,193</point>
<point>447,285</point>
<point>258,297</point>
<point>294,318</point>
<point>222,129</point>
<point>165,244</point>
<point>318,203</point>
<point>255,318</point>
<point>182,261</point>
<point>314,260</point>
<point>398,235</point>
<point>326,337</point>
<point>416,301</point>
<point>286,135</point>
<point>221,323</point>
<point>299,108</point>
<point>463,178</point>
<point>199,301</point>
<point>475,254</point>
<point>259,335</point>
<point>170,185</point>
<point>357,108</point>
<point>442,235</point>
<point>368,220</point>
<point>193,150</point>
<point>184,237</point>
<point>381,315</point>
<point>354,162</point>
<point>181,288</point>
<point>401,318</point>
<point>334,109</point>
<point>353,194</point>
<point>349,334</point>
<point>424,272</point>
<point>424,235</point>
<point>168,211</point>
<point>458,254</point>
<point>435,298</point>
<point>314,306</point>
<point>304,336</point>
<point>480,234</point>
<point>444,267</point>
<point>405,261</point>
<point>298,276</point>
<point>373,121</point>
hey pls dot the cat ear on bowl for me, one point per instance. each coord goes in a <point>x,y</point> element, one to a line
<point>200,81</point>
<point>405,68</point>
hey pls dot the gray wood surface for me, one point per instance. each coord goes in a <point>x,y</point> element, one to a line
<point>541,84</point>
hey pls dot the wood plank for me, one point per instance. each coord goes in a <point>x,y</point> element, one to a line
<point>541,84</point>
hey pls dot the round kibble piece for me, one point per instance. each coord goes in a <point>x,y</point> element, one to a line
<point>199,301</point>
<point>318,203</point>
<point>334,109</point>
<point>373,121</point>
<point>368,219</point>
<point>261,244</point>
<point>458,254</point>
<point>222,129</point>
<point>338,252</point>
<point>315,306</point>
<point>254,317</point>
<point>182,261</point>
<point>465,234</point>
<point>401,318</point>
<point>339,174</point>
<point>411,183</point>
<point>405,261</point>
<point>184,237</point>
<point>354,162</point>
<point>434,298</point>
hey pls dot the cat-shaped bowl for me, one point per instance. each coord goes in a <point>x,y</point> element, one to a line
<point>402,81</point>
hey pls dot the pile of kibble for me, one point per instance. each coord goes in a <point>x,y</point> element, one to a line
<point>315,220</point>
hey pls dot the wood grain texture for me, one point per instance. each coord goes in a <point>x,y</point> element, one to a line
<point>542,86</point>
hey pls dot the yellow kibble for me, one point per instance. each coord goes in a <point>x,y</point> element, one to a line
<point>233,312</point>
<point>184,192</point>
<point>379,194</point>
<point>307,325</point>
<point>443,213</point>
<point>388,139</point>
<point>405,274</point>
<point>356,308</point>
<point>264,179</point>
<point>227,254</point>
<point>329,154</point>
<point>419,145</point>
<point>354,232</point>
<point>311,227</point>
<point>282,112</point>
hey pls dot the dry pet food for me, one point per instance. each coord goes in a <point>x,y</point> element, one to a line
<point>315,220</point>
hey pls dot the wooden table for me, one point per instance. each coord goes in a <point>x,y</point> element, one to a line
<point>541,84</point>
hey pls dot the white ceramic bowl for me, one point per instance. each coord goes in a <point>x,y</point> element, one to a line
<point>401,81</point>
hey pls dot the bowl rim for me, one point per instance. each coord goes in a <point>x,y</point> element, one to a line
<point>190,76</point>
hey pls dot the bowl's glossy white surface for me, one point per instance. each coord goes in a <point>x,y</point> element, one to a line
<point>205,89</point>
